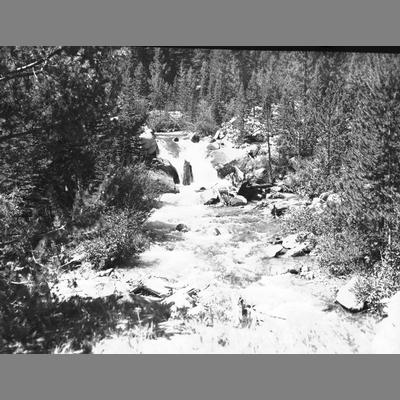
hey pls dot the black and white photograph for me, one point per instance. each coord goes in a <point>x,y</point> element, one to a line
<point>199,200</point>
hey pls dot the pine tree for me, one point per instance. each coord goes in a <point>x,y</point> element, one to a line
<point>157,84</point>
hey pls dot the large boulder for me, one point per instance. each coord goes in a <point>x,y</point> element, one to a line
<point>272,250</point>
<point>249,192</point>
<point>237,201</point>
<point>164,165</point>
<point>347,296</point>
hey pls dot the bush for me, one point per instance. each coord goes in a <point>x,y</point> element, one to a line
<point>119,237</point>
<point>341,252</point>
<point>114,216</point>
<point>130,188</point>
<point>304,219</point>
<point>380,281</point>
<point>340,249</point>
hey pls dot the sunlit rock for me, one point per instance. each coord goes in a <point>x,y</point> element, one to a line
<point>182,228</point>
<point>347,296</point>
<point>238,201</point>
<point>273,250</point>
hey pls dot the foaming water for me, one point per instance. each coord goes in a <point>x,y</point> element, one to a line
<point>181,149</point>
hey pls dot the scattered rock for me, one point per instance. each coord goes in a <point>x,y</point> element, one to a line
<point>213,146</point>
<point>294,239</point>
<point>347,296</point>
<point>295,270</point>
<point>212,201</point>
<point>276,188</point>
<point>273,250</point>
<point>290,241</point>
<point>278,209</point>
<point>333,200</point>
<point>324,196</point>
<point>179,301</point>
<point>298,251</point>
<point>238,201</point>
<point>195,138</point>
<point>182,228</point>
<point>306,272</point>
<point>153,286</point>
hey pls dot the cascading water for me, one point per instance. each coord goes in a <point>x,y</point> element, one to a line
<point>178,148</point>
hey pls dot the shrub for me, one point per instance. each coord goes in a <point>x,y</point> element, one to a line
<point>130,188</point>
<point>340,249</point>
<point>303,219</point>
<point>114,216</point>
<point>341,252</point>
<point>380,281</point>
<point>119,237</point>
<point>205,124</point>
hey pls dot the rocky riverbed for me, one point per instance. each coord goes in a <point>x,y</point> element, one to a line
<point>219,277</point>
<point>222,287</point>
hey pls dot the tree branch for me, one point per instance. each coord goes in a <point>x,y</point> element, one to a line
<point>20,72</point>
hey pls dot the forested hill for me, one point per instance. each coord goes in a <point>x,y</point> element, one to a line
<point>76,184</point>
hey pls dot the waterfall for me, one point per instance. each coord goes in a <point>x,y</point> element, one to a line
<point>176,147</point>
